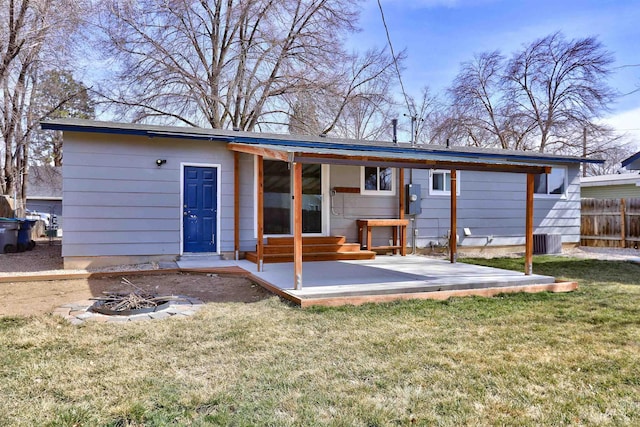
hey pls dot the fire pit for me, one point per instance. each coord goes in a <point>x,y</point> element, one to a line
<point>129,306</point>
<point>131,303</point>
<point>123,304</point>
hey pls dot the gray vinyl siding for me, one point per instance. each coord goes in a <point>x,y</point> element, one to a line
<point>626,191</point>
<point>491,204</point>
<point>247,204</point>
<point>346,208</point>
<point>117,201</point>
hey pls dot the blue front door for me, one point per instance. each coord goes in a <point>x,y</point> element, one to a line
<point>200,209</point>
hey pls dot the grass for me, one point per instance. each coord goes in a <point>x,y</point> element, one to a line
<point>524,359</point>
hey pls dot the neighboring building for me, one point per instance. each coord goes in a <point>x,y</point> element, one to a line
<point>618,186</point>
<point>44,191</point>
<point>130,191</point>
<point>632,163</point>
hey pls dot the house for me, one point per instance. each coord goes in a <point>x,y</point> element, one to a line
<point>632,162</point>
<point>135,193</point>
<point>616,186</point>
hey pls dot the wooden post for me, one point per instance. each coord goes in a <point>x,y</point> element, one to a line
<point>623,223</point>
<point>401,195</point>
<point>236,205</point>
<point>401,202</point>
<point>528,252</point>
<point>260,245</point>
<point>453,241</point>
<point>297,226</point>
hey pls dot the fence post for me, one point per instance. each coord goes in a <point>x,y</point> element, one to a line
<point>623,224</point>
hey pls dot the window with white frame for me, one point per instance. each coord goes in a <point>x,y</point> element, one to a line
<point>377,180</point>
<point>554,183</point>
<point>440,183</point>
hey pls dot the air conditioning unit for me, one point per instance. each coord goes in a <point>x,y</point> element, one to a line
<point>547,244</point>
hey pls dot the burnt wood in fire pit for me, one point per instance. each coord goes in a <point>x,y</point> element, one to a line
<point>119,304</point>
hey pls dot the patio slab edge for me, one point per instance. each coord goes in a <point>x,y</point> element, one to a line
<point>558,287</point>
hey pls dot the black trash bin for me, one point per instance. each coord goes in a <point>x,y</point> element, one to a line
<point>9,235</point>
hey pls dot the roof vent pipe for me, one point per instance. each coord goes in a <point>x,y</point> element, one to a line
<point>448,146</point>
<point>394,124</point>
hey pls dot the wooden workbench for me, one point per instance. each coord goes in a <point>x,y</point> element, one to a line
<point>399,233</point>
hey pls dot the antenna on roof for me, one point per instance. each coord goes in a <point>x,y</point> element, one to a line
<point>394,124</point>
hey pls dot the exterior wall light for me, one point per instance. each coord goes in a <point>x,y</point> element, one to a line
<point>161,162</point>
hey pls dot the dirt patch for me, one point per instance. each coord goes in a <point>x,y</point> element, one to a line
<point>43,257</point>
<point>33,298</point>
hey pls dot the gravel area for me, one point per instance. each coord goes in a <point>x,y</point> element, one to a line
<point>46,258</point>
<point>611,254</point>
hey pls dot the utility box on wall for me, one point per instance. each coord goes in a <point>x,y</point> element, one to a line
<point>412,199</point>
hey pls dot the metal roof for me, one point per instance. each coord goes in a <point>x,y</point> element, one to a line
<point>321,144</point>
<point>413,159</point>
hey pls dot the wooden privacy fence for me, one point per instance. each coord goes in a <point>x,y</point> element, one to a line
<point>610,222</point>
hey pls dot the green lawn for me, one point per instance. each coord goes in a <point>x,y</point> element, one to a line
<point>540,359</point>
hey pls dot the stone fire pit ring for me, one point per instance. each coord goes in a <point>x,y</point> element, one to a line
<point>79,312</point>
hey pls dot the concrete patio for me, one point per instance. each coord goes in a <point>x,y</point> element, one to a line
<point>385,278</point>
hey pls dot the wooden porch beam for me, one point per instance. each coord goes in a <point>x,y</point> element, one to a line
<point>453,241</point>
<point>259,151</point>
<point>260,219</point>
<point>415,163</point>
<point>528,252</point>
<point>236,205</point>
<point>297,226</point>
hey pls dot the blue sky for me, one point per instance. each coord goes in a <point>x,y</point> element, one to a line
<point>440,34</point>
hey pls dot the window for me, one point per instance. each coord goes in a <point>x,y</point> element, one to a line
<point>377,180</point>
<point>440,183</point>
<point>553,183</point>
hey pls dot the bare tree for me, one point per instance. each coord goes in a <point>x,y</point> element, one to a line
<point>357,102</point>
<point>559,85</point>
<point>541,98</point>
<point>428,117</point>
<point>601,141</point>
<point>223,64</point>
<point>33,37</point>
<point>365,116</point>
<point>479,99</point>
<point>303,119</point>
